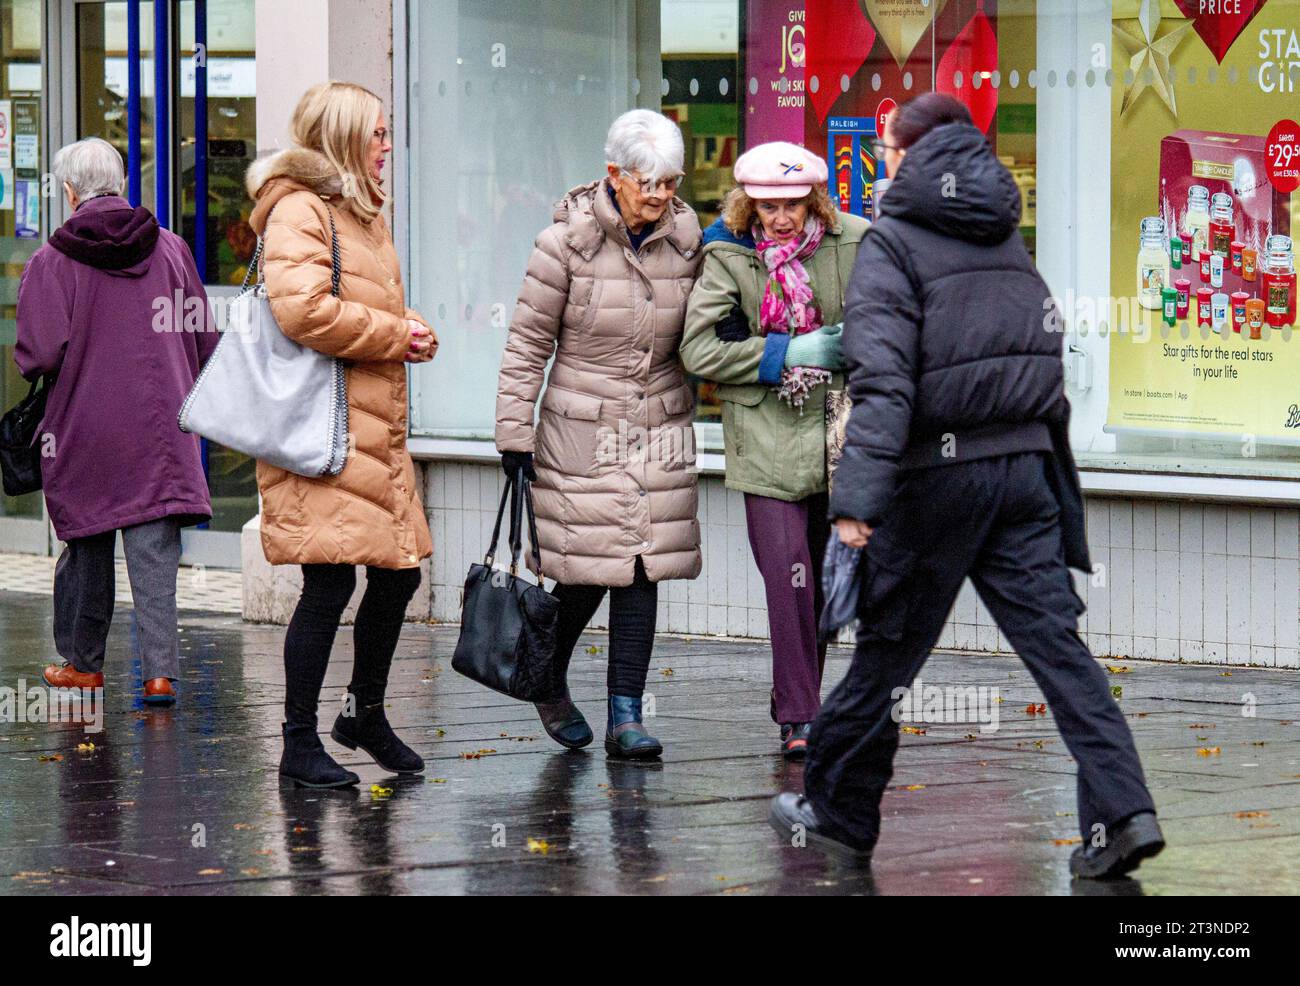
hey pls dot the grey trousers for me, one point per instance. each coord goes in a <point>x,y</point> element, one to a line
<point>84,587</point>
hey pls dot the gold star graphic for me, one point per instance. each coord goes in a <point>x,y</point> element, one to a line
<point>1148,54</point>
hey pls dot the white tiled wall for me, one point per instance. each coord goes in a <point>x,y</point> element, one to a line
<point>1173,581</point>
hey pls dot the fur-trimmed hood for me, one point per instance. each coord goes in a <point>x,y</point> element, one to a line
<point>297,169</point>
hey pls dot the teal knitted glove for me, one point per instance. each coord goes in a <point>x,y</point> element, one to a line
<point>820,349</point>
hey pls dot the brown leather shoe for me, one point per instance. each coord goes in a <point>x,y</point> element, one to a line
<point>66,676</point>
<point>159,691</point>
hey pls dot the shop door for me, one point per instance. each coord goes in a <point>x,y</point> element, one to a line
<point>185,124</point>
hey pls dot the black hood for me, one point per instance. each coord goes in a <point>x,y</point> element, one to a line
<point>108,233</point>
<point>951,182</point>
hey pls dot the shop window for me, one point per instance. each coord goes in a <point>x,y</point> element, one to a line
<point>23,209</point>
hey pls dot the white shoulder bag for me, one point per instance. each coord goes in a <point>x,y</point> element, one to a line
<point>267,396</point>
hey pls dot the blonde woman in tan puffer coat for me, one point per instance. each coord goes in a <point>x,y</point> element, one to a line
<point>612,453</point>
<point>370,513</point>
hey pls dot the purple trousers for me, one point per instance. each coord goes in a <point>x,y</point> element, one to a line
<point>788,540</point>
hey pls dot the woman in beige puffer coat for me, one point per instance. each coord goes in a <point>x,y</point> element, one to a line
<point>370,513</point>
<point>613,448</point>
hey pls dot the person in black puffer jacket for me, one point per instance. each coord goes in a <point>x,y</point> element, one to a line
<point>956,464</point>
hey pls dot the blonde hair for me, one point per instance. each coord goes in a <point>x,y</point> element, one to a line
<point>337,119</point>
<point>739,213</point>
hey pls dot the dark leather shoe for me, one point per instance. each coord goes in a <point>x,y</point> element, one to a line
<point>794,740</point>
<point>369,729</point>
<point>305,762</point>
<point>793,818</point>
<point>1133,840</point>
<point>159,691</point>
<point>625,737</point>
<point>564,723</point>
<point>66,676</point>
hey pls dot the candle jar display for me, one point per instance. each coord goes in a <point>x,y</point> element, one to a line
<point>1204,307</point>
<point>1278,282</point>
<point>1152,263</point>
<point>1196,221</point>
<point>1239,299</point>
<point>1169,306</point>
<point>1222,230</point>
<point>1220,311</point>
<point>1255,317</point>
<point>1248,264</point>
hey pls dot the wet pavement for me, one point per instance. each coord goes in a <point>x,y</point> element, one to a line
<point>188,801</point>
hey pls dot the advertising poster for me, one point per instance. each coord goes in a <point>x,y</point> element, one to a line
<point>869,55</point>
<point>27,209</point>
<point>6,134</point>
<point>774,57</point>
<point>6,190</point>
<point>26,129</point>
<point>1202,210</point>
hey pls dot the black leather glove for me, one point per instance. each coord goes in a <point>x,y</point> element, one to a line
<point>512,462</point>
<point>734,326</point>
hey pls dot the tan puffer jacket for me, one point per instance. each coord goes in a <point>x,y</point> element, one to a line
<point>614,446</point>
<point>370,513</point>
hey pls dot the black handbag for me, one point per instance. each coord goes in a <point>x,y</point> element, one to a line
<point>20,455</point>
<point>507,624</point>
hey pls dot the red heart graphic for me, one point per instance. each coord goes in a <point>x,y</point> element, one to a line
<point>839,39</point>
<point>974,51</point>
<point>1219,31</point>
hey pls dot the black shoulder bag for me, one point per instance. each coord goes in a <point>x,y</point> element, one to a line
<point>507,624</point>
<point>20,455</point>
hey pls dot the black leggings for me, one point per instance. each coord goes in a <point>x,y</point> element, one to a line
<point>632,612</point>
<point>326,590</point>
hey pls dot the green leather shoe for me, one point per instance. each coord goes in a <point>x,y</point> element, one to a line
<point>625,737</point>
<point>564,723</point>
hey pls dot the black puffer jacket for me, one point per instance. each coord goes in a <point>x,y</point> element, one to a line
<point>948,335</point>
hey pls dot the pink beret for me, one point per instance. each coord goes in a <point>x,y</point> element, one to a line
<point>779,170</point>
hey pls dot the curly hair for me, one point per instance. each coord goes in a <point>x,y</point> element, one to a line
<point>739,212</point>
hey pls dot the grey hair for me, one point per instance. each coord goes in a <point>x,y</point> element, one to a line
<point>92,167</point>
<point>646,142</point>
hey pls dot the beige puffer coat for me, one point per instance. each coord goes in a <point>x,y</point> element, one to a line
<point>614,448</point>
<point>370,513</point>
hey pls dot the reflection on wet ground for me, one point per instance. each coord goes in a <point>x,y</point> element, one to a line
<point>188,801</point>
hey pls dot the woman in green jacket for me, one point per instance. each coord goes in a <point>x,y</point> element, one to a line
<point>763,322</point>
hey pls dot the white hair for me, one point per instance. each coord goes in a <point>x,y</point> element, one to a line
<point>91,166</point>
<point>646,142</point>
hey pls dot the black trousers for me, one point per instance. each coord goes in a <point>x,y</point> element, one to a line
<point>326,590</point>
<point>997,521</point>
<point>633,610</point>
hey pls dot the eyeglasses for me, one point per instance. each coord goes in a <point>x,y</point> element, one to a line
<point>381,135</point>
<point>649,185</point>
<point>878,148</point>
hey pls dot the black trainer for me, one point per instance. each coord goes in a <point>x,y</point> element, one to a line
<point>305,762</point>
<point>1133,840</point>
<point>793,818</point>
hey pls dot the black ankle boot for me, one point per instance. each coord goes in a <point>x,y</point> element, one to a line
<point>305,762</point>
<point>369,730</point>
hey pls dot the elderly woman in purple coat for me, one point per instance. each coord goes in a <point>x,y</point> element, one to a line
<point>113,308</point>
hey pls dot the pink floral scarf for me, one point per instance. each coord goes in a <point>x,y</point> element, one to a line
<point>788,304</point>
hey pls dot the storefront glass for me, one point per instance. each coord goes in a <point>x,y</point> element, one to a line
<point>22,208</point>
<point>1106,113</point>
